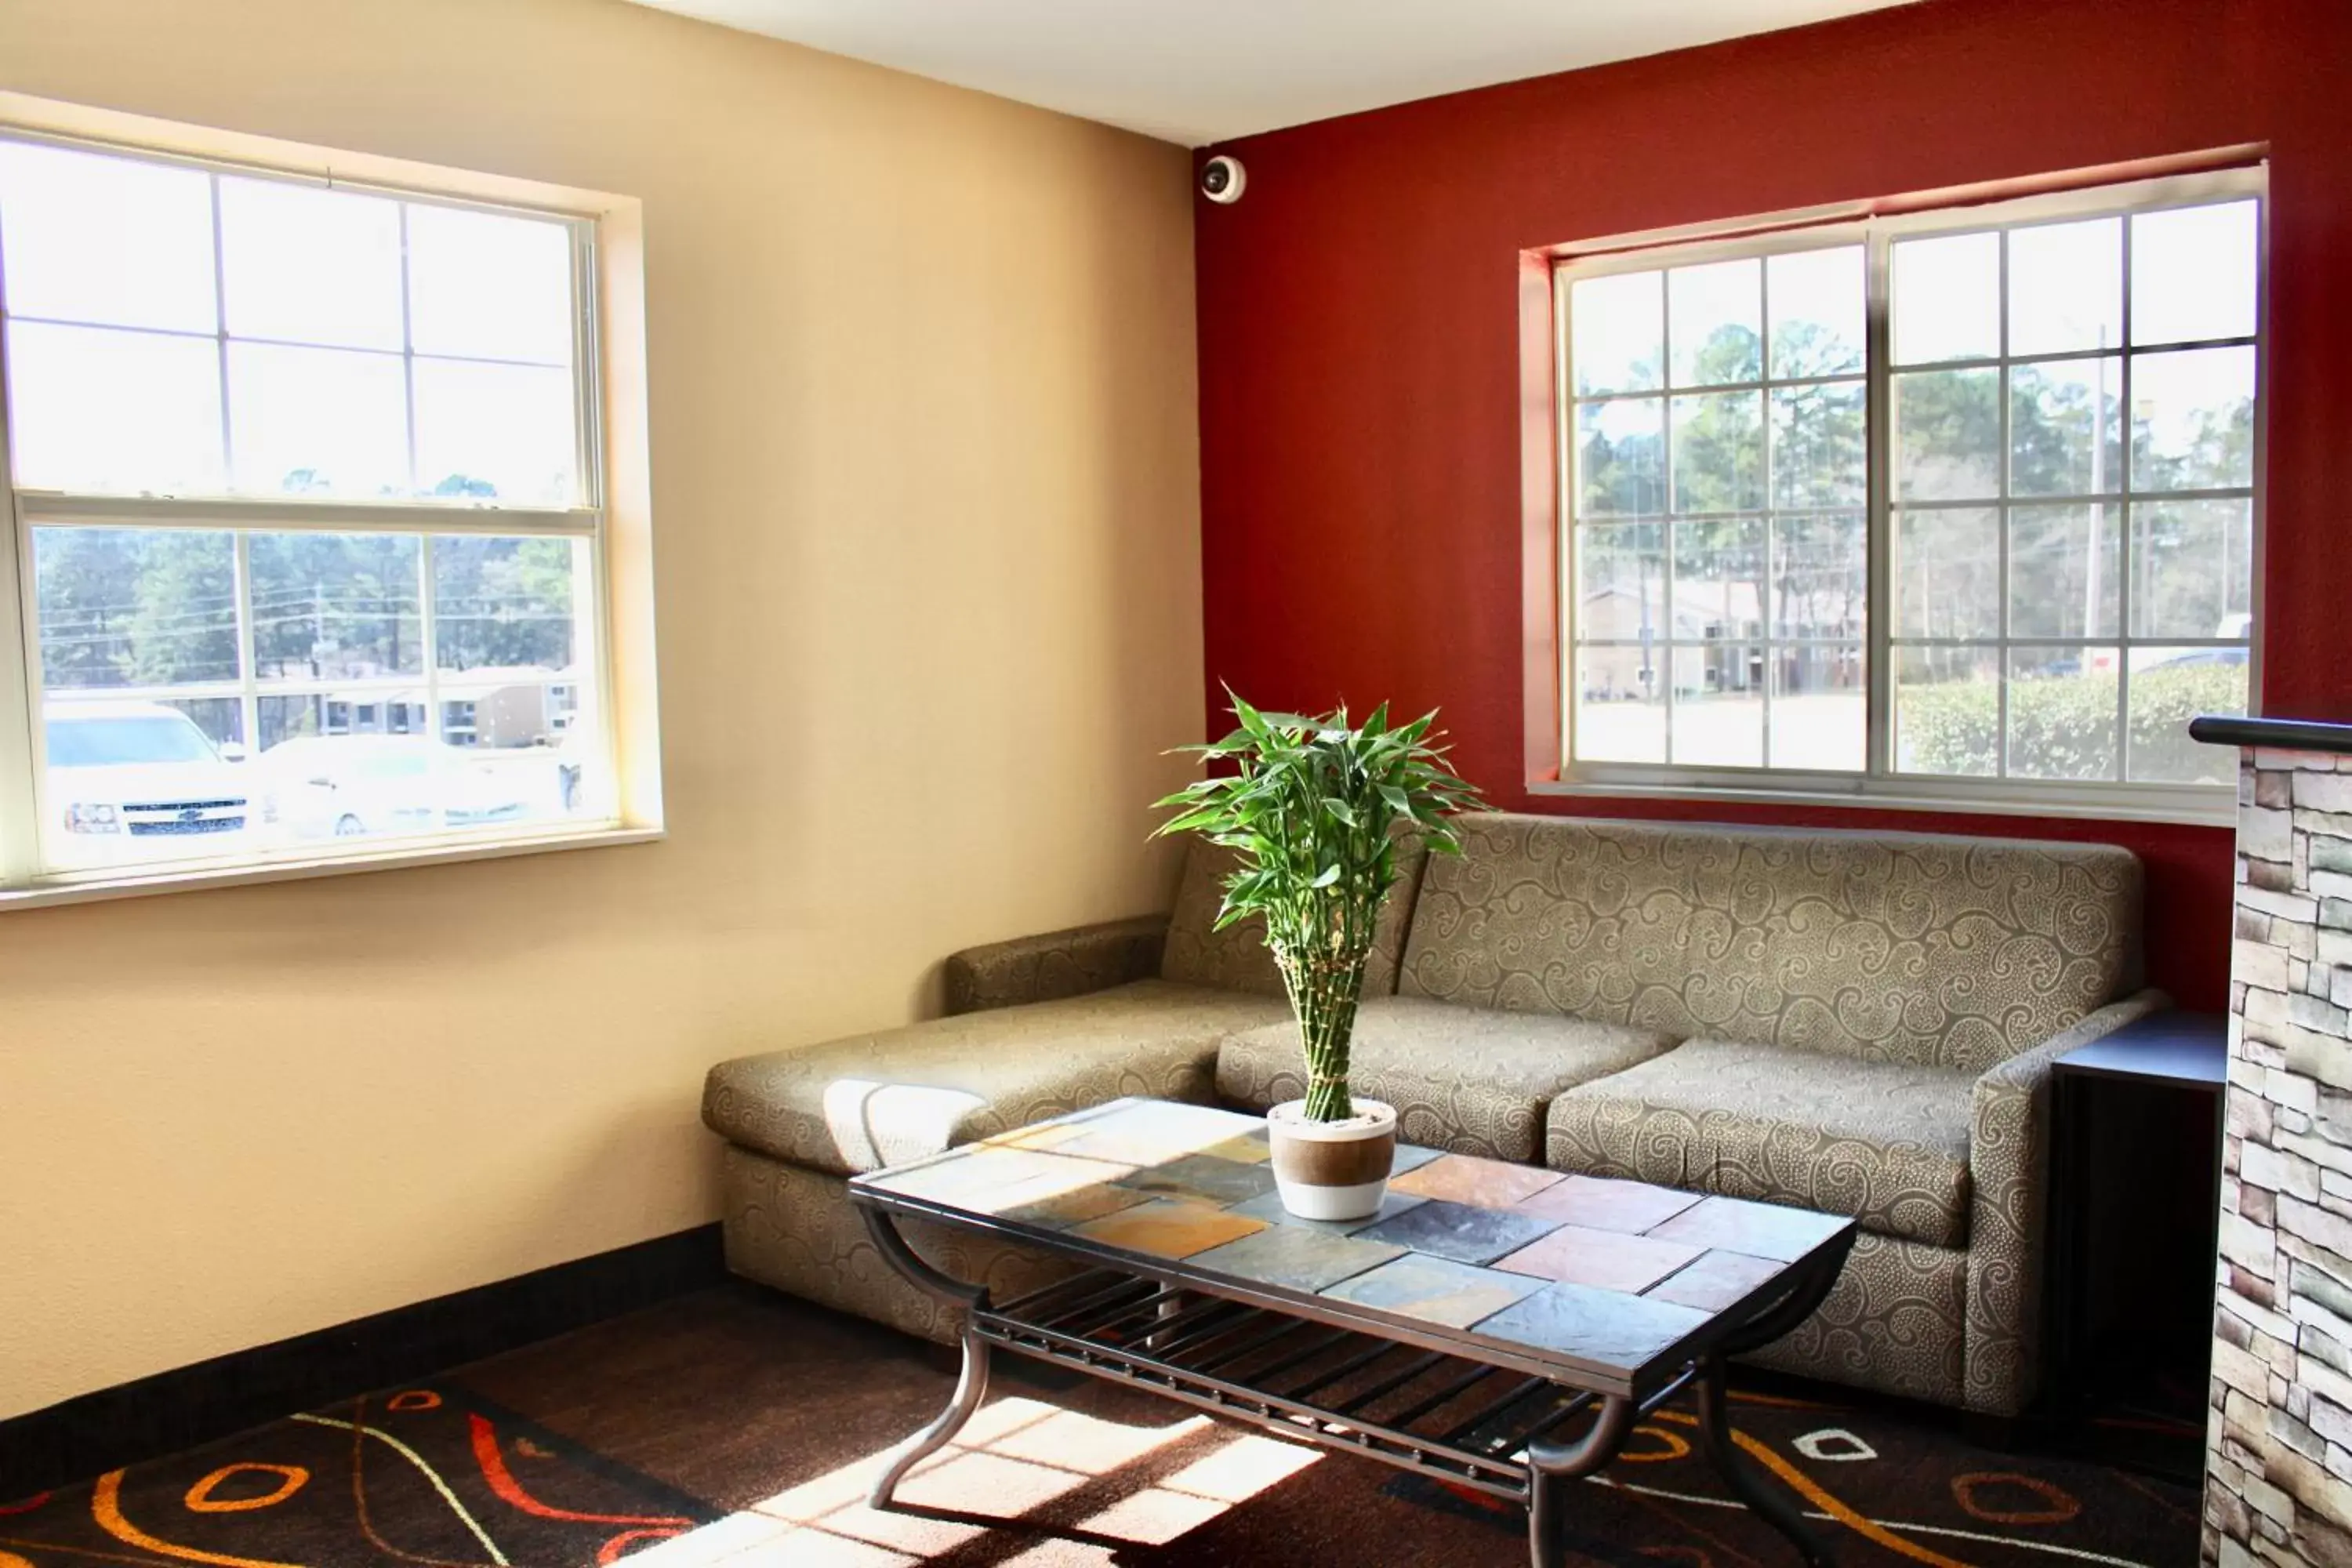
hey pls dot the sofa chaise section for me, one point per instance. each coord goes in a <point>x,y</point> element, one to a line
<point>1037,1025</point>
<point>798,1122</point>
<point>869,1100</point>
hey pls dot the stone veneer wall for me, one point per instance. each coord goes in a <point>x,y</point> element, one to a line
<point>2278,1481</point>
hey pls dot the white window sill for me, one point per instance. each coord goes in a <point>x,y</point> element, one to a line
<point>2213,805</point>
<point>91,886</point>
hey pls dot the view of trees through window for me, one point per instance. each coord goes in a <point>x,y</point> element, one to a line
<point>394,636</point>
<point>2068,531</point>
<point>1729,633</point>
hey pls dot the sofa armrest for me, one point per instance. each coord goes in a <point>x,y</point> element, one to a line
<point>1056,965</point>
<point>2008,1165</point>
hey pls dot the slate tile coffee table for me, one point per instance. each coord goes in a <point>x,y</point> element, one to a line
<point>1496,1326</point>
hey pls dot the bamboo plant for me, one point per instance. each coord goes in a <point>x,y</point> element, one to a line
<point>1309,806</point>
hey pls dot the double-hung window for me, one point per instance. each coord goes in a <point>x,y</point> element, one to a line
<point>306,537</point>
<point>1955,505</point>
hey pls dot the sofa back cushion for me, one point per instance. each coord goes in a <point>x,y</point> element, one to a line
<point>1237,959</point>
<point>1937,952</point>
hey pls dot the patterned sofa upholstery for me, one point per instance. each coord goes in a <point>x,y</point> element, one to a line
<point>1035,1026</point>
<point>1474,1080</point>
<point>1859,1023</point>
<point>1867,1023</point>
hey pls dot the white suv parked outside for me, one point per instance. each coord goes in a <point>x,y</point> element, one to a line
<point>137,781</point>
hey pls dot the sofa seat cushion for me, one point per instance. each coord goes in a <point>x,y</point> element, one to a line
<point>1882,1141</point>
<point>869,1100</point>
<point>1470,1079</point>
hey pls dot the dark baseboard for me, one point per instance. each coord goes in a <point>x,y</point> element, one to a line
<point>93,1433</point>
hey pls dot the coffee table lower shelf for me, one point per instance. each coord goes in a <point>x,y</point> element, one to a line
<point>1466,1421</point>
<point>1267,1367</point>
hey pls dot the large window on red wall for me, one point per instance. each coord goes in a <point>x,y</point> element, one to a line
<point>1958,504</point>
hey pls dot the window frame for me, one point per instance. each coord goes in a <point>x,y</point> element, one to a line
<point>1877,227</point>
<point>26,876</point>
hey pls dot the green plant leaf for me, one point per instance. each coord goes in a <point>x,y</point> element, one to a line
<point>1312,807</point>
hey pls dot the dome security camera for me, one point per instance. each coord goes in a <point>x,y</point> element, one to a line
<point>1222,180</point>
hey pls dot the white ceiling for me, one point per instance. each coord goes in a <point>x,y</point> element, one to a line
<point>1194,71</point>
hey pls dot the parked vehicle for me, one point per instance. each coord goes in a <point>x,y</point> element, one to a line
<point>2232,626</point>
<point>139,781</point>
<point>349,786</point>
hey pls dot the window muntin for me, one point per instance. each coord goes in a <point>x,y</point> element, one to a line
<point>2060,400</point>
<point>1719,477</point>
<point>295,469</point>
<point>280,340</point>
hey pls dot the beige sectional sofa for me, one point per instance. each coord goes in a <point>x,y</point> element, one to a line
<point>1860,1022</point>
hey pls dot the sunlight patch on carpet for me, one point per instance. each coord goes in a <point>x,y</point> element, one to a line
<point>1016,1458</point>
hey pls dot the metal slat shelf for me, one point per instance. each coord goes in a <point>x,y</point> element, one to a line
<point>1356,1392</point>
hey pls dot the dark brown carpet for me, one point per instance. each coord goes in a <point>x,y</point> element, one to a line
<point>739,1426</point>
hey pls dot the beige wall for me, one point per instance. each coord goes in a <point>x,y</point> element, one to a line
<point>926,517</point>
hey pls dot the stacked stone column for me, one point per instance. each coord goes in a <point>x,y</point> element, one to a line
<point>2279,1440</point>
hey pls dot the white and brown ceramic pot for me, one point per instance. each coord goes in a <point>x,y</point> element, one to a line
<point>1332,1170</point>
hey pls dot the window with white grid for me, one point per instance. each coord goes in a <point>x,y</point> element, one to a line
<point>1957,504</point>
<point>306,522</point>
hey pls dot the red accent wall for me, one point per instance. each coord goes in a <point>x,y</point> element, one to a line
<point>1359,310</point>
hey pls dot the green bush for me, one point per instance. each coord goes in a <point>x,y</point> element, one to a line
<point>2065,727</point>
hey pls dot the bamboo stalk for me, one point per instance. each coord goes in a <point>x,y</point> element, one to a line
<point>1324,982</point>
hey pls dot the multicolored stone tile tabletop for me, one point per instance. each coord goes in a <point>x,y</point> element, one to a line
<point>1609,1273</point>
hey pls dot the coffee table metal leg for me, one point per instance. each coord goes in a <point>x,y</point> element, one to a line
<point>972,1380</point>
<point>1553,1467</point>
<point>1545,1547</point>
<point>1769,1502</point>
<point>971,1387</point>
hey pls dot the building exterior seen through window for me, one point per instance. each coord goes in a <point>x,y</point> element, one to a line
<point>1967,495</point>
<point>307,517</point>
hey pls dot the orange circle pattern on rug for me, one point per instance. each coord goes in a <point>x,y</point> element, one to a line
<point>1674,1446</point>
<point>413,1399</point>
<point>290,1480</point>
<point>2062,1507</point>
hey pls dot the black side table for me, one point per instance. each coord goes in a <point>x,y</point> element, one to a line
<point>2135,1201</point>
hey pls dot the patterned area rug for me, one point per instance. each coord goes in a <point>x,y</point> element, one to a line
<point>738,1427</point>
<point>431,1476</point>
<point>1872,1489</point>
